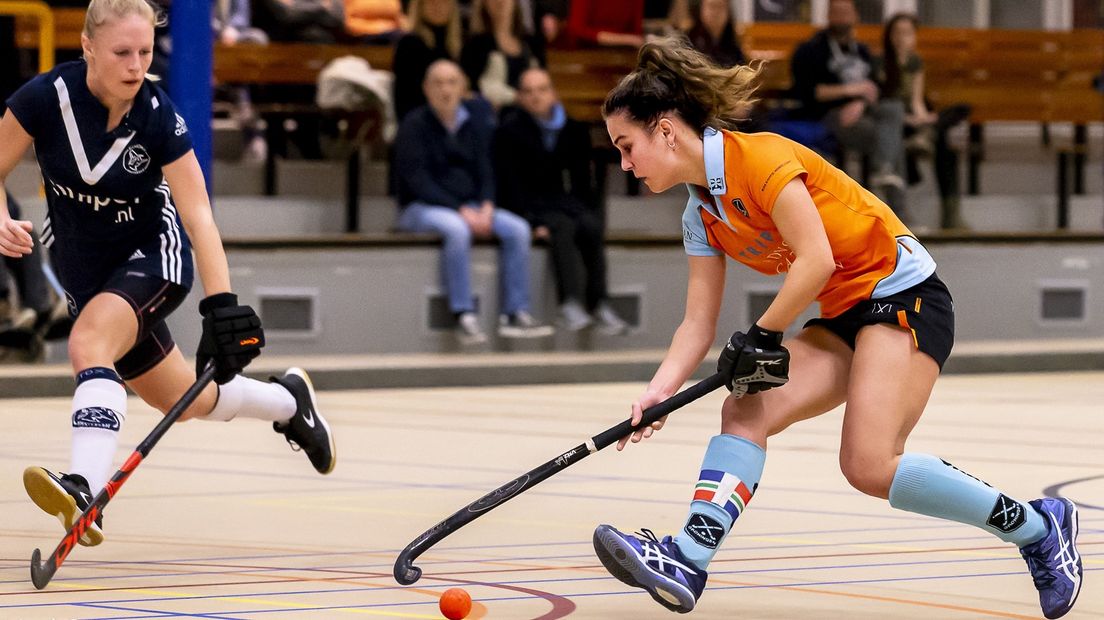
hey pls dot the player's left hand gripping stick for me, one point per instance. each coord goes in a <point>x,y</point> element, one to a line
<point>43,571</point>
<point>405,571</point>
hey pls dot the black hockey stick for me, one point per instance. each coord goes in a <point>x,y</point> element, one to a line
<point>405,571</point>
<point>43,572</point>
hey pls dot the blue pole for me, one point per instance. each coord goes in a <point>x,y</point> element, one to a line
<point>190,73</point>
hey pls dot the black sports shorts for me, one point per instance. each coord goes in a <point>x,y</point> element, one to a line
<point>152,300</point>
<point>926,310</point>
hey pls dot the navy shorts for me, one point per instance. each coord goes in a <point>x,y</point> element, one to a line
<point>139,281</point>
<point>926,310</point>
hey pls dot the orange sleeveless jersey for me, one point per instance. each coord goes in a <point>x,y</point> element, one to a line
<point>876,254</point>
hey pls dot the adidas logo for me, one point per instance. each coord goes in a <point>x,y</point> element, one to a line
<point>181,126</point>
<point>137,254</point>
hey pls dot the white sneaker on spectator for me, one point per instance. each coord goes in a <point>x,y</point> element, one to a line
<point>521,324</point>
<point>609,323</point>
<point>574,316</point>
<point>887,178</point>
<point>468,330</point>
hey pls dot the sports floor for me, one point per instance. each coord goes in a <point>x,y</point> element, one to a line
<point>224,521</point>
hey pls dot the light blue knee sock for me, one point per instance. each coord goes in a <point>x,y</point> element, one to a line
<point>730,472</point>
<point>930,486</point>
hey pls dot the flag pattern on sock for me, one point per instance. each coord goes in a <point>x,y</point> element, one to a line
<point>723,489</point>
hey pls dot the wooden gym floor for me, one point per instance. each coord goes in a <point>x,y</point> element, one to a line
<point>224,521</point>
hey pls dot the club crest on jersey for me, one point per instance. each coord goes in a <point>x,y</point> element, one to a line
<point>136,159</point>
<point>739,205</point>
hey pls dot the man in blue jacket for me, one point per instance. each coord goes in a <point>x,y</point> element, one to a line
<point>445,185</point>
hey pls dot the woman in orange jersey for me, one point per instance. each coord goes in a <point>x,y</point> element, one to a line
<point>885,330</point>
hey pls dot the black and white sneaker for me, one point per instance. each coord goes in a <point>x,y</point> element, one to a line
<point>307,430</point>
<point>66,497</point>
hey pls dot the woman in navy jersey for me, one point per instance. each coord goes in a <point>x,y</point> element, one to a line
<point>127,206</point>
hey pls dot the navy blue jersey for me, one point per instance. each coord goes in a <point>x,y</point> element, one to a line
<point>108,200</point>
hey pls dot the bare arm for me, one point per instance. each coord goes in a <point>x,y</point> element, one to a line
<point>691,341</point>
<point>15,235</point>
<point>800,225</point>
<point>190,195</point>
<point>918,108</point>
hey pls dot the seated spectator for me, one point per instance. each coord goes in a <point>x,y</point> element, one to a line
<point>600,22</point>
<point>232,24</point>
<point>36,317</point>
<point>713,32</point>
<point>542,162</point>
<point>435,33</point>
<point>499,50</point>
<point>303,21</point>
<point>445,184</point>
<point>832,78</point>
<point>375,22</point>
<point>900,72</point>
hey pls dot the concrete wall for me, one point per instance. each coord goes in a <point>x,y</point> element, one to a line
<point>380,300</point>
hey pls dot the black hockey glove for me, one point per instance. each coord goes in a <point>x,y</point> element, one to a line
<point>232,336</point>
<point>755,361</point>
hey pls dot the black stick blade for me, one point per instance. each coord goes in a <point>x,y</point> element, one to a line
<point>41,572</point>
<point>406,573</point>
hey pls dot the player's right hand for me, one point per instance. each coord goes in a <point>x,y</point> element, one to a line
<point>15,238</point>
<point>232,336</point>
<point>754,361</point>
<point>646,400</point>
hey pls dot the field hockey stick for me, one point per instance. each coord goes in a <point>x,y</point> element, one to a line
<point>43,572</point>
<point>405,571</point>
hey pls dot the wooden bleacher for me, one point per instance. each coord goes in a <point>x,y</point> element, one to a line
<point>1005,75</point>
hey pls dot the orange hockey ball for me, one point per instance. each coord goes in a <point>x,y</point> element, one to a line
<point>456,603</point>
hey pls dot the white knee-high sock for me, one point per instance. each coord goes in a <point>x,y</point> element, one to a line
<point>99,410</point>
<point>249,398</point>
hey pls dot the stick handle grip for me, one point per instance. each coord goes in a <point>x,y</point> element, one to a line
<point>657,411</point>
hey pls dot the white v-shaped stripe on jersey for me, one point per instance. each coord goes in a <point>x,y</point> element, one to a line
<point>90,175</point>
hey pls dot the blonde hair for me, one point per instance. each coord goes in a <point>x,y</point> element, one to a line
<point>454,36</point>
<point>99,11</point>
<point>671,75</point>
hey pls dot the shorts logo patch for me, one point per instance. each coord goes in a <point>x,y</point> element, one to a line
<point>705,530</point>
<point>136,159</point>
<point>1007,514</point>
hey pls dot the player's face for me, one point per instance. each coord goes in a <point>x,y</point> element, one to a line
<point>644,153</point>
<point>119,55</point>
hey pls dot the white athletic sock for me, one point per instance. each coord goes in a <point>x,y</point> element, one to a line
<point>99,410</point>
<point>249,398</point>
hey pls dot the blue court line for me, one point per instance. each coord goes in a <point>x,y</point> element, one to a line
<point>387,565</point>
<point>446,580</point>
<point>619,593</point>
<point>157,614</point>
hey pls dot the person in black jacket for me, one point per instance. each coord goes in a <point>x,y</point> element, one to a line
<point>445,185</point>
<point>832,76</point>
<point>542,160</point>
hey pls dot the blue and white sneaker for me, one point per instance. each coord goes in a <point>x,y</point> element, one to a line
<point>656,566</point>
<point>1053,561</point>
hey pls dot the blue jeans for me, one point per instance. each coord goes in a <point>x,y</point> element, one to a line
<point>513,234</point>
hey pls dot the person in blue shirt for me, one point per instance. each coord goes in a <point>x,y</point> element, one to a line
<point>127,206</point>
